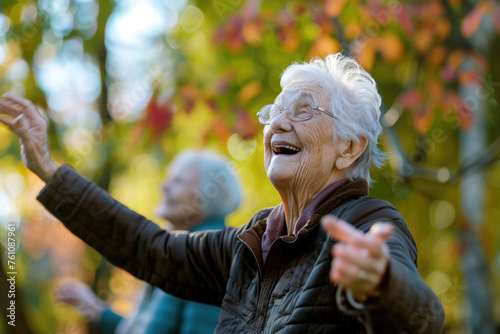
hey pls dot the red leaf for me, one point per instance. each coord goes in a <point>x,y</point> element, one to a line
<point>472,21</point>
<point>411,99</point>
<point>245,126</point>
<point>159,116</point>
<point>220,129</point>
<point>454,103</point>
<point>405,20</point>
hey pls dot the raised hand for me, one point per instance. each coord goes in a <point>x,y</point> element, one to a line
<point>23,119</point>
<point>78,294</point>
<point>359,260</point>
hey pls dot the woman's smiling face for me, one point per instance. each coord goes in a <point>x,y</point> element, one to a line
<point>299,152</point>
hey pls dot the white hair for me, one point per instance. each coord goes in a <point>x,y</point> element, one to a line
<point>353,98</point>
<point>218,187</point>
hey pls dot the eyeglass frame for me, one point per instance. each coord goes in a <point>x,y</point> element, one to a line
<point>327,112</point>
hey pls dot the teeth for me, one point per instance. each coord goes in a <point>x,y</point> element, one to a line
<point>293,148</point>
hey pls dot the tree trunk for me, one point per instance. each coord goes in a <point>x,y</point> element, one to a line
<point>472,189</point>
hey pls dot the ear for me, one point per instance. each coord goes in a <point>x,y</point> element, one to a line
<point>349,152</point>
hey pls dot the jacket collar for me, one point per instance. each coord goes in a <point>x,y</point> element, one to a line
<point>344,193</point>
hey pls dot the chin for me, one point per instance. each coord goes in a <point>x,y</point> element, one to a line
<point>279,175</point>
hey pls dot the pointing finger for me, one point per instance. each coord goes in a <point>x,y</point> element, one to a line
<point>340,230</point>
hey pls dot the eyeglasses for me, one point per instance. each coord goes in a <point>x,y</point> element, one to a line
<point>297,113</point>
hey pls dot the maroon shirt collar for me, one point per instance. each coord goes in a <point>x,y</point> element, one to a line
<point>276,227</point>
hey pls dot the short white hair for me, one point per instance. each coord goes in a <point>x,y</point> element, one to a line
<point>353,98</point>
<point>218,186</point>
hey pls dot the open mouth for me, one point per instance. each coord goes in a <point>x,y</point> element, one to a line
<point>285,149</point>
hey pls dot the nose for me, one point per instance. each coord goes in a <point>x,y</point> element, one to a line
<point>281,123</point>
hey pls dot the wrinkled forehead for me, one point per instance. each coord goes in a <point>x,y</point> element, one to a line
<point>289,97</point>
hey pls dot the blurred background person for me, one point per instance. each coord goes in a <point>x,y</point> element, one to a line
<point>199,192</point>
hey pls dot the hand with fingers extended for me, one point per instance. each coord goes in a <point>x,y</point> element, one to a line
<point>359,260</point>
<point>23,119</point>
<point>80,295</point>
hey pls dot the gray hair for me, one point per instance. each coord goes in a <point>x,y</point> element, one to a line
<point>218,188</point>
<point>352,96</point>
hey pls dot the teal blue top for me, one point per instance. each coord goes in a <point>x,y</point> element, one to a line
<point>160,312</point>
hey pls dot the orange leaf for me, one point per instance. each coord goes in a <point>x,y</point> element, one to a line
<point>334,7</point>
<point>219,128</point>
<point>253,31</point>
<point>437,56</point>
<point>469,77</point>
<point>435,89</point>
<point>423,40</point>
<point>323,46</point>
<point>352,30</point>
<point>423,120</point>
<point>367,55</point>
<point>442,28</point>
<point>391,48</point>
<point>249,91</point>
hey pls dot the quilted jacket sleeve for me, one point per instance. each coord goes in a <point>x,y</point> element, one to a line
<point>407,304</point>
<point>192,266</point>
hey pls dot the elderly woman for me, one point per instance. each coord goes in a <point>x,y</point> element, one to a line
<point>280,272</point>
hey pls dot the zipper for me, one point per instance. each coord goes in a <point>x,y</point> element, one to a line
<point>267,290</point>
<point>254,257</point>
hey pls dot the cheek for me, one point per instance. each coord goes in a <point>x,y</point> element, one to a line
<point>267,146</point>
<point>320,146</point>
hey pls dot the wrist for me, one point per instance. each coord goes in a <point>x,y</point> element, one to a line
<point>49,172</point>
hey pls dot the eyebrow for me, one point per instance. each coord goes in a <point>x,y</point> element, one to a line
<point>295,97</point>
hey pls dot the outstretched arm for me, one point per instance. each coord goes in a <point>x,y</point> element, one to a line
<point>190,266</point>
<point>22,118</point>
<point>377,270</point>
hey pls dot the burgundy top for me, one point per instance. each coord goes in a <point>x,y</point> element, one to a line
<point>276,227</point>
